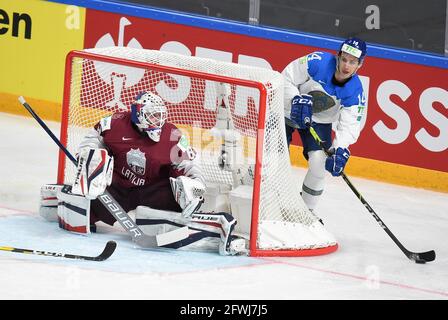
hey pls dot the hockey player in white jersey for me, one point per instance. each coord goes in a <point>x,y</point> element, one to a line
<point>324,91</point>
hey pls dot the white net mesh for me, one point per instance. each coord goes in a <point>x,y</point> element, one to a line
<point>191,95</point>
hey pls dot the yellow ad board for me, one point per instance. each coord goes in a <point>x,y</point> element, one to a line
<point>35,37</point>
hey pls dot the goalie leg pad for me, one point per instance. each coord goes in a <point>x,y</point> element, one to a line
<point>207,231</point>
<point>155,222</point>
<point>48,205</point>
<point>224,224</point>
<point>73,211</point>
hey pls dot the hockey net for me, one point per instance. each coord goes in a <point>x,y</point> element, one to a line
<point>209,101</point>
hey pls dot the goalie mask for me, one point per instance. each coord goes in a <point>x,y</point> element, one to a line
<point>149,114</point>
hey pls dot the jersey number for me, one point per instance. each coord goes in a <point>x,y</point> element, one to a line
<point>315,55</point>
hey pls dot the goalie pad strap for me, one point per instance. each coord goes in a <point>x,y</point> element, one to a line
<point>74,208</point>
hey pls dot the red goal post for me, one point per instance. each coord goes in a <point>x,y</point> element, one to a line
<point>101,81</point>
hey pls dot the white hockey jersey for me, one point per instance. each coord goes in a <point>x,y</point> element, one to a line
<point>341,105</point>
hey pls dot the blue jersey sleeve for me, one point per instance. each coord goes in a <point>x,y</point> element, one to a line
<point>314,59</point>
<point>317,60</point>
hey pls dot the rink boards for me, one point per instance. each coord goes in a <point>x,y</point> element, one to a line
<point>405,133</point>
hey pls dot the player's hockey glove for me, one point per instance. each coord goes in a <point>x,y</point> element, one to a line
<point>336,162</point>
<point>301,110</point>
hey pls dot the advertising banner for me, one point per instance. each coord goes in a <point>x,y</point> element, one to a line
<point>35,37</point>
<point>407,117</point>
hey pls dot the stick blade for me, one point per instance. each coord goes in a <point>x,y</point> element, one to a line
<point>107,252</point>
<point>428,256</point>
<point>423,257</point>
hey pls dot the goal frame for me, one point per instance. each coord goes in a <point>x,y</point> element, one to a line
<point>253,250</point>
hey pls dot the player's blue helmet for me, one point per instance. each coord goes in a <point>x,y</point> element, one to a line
<point>354,46</point>
<point>149,114</point>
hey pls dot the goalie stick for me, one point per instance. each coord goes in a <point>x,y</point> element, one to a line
<point>107,252</point>
<point>115,209</point>
<point>418,257</point>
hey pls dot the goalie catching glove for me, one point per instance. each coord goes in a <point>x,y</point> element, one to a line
<point>188,193</point>
<point>94,173</point>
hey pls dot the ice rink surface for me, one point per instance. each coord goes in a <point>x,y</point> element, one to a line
<point>368,265</point>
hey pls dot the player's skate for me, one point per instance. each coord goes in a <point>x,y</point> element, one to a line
<point>317,217</point>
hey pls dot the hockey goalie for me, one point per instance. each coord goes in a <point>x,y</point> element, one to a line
<point>148,166</point>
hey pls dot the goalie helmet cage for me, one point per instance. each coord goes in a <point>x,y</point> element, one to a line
<point>101,81</point>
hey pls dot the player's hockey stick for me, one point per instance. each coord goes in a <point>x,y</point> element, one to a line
<point>115,209</point>
<point>421,257</point>
<point>107,252</point>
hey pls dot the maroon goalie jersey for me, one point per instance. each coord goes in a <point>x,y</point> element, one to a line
<point>138,160</point>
